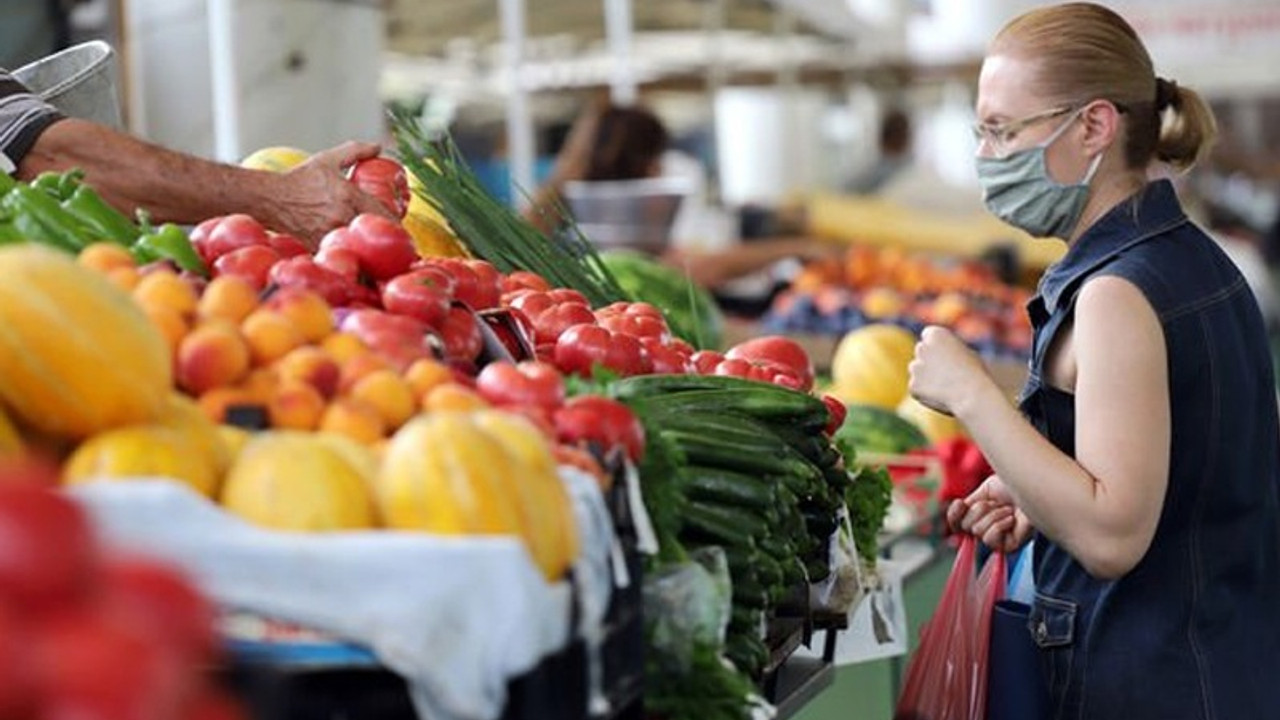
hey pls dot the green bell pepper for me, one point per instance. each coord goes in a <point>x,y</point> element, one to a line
<point>105,221</point>
<point>9,234</point>
<point>7,183</point>
<point>59,186</point>
<point>42,220</point>
<point>169,242</point>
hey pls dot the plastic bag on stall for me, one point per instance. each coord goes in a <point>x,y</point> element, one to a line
<point>688,604</point>
<point>947,677</point>
<point>845,586</point>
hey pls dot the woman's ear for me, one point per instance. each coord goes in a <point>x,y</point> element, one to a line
<point>1101,122</point>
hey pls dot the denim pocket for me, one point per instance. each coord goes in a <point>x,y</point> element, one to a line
<point>1052,623</point>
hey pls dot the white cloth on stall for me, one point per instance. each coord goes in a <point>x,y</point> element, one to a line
<point>458,618</point>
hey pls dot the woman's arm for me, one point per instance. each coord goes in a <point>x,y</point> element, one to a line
<point>1104,505</point>
<point>307,201</point>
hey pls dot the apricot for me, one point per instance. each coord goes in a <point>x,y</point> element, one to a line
<point>228,297</point>
<point>453,397</point>
<point>105,256</point>
<point>355,419</point>
<point>344,346</point>
<point>389,394</point>
<point>163,288</point>
<point>171,325</point>
<point>295,405</point>
<point>125,278</point>
<point>307,311</point>
<point>270,336</point>
<point>424,375</point>
<point>313,365</point>
<point>359,366</point>
<point>212,355</point>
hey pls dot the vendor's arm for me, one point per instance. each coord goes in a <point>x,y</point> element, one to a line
<point>714,268</point>
<point>1104,505</point>
<point>306,201</point>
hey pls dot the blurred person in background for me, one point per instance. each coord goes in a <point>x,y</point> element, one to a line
<point>610,143</point>
<point>1144,455</point>
<point>895,154</point>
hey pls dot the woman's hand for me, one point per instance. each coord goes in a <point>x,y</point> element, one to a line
<point>991,515</point>
<point>945,372</point>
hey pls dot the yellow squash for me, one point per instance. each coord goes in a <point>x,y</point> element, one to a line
<point>77,356</point>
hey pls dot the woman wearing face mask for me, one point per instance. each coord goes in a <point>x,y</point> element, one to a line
<point>1146,456</point>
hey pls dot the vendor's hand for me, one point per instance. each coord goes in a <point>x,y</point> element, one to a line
<point>991,515</point>
<point>316,196</point>
<point>945,371</point>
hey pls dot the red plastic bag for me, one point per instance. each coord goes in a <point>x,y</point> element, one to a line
<point>947,677</point>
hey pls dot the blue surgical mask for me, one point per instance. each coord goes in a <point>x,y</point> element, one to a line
<point>1018,190</point>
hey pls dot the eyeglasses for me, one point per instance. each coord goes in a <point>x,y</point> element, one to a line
<point>1001,137</point>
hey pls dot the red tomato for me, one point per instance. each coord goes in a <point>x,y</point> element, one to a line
<point>418,294</point>
<point>363,323</point>
<point>605,422</point>
<point>461,335</point>
<point>287,245</point>
<point>47,557</point>
<point>488,292</point>
<point>777,349</point>
<point>469,286</point>
<point>384,179</point>
<point>549,324</point>
<point>341,260</point>
<point>565,295</point>
<point>667,358</point>
<point>162,599</point>
<point>213,705</point>
<point>303,272</point>
<point>838,413</point>
<point>533,304</point>
<point>385,248</point>
<point>637,326</point>
<point>200,238</point>
<point>627,356</point>
<point>17,690</point>
<point>581,347</point>
<point>523,279</point>
<point>705,361</point>
<point>642,309</point>
<point>91,662</point>
<point>252,263</point>
<point>527,383</point>
<point>231,233</point>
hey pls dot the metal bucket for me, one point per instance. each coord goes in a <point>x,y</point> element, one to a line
<point>631,214</point>
<point>80,81</point>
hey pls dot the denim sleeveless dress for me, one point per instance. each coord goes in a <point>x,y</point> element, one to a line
<point>1193,631</point>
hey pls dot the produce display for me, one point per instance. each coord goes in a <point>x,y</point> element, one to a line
<point>887,285</point>
<point>428,375</point>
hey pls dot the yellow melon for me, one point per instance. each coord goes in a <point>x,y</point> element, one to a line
<point>935,426</point>
<point>141,451</point>
<point>443,474</point>
<point>275,159</point>
<point>184,415</point>
<point>551,529</point>
<point>294,481</point>
<point>77,355</point>
<point>870,366</point>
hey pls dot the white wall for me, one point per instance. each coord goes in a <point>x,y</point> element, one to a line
<point>307,72</point>
<point>769,142</point>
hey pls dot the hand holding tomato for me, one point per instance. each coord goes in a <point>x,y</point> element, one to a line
<point>384,179</point>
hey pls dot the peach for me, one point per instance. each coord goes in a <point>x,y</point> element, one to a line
<point>344,346</point>
<point>228,297</point>
<point>307,311</point>
<point>261,383</point>
<point>212,355</point>
<point>216,402</point>
<point>389,394</point>
<point>453,397</point>
<point>104,257</point>
<point>355,419</point>
<point>270,336</point>
<point>171,325</point>
<point>424,375</point>
<point>295,405</point>
<point>313,365</point>
<point>164,288</point>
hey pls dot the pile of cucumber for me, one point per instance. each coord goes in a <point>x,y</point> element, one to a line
<point>759,479</point>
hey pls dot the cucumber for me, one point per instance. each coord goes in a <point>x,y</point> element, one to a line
<point>726,487</point>
<point>651,385</point>
<point>747,652</point>
<point>777,548</point>
<point>709,447</point>
<point>786,408</point>
<point>720,527</point>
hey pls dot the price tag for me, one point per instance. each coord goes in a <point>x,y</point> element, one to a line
<point>646,538</point>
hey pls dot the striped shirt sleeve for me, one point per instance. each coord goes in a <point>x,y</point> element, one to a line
<point>23,116</point>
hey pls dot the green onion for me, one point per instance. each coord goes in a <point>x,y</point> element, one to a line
<point>494,232</point>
